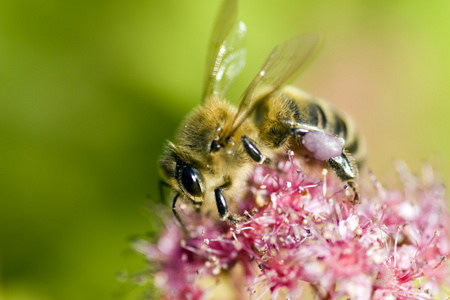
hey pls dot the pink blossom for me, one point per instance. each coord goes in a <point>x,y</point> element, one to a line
<point>304,230</point>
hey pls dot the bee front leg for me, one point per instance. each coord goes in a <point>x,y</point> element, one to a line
<point>222,206</point>
<point>252,150</point>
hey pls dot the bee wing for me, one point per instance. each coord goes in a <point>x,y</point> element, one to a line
<point>283,62</point>
<point>226,55</point>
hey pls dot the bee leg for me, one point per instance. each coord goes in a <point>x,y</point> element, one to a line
<point>222,206</point>
<point>346,169</point>
<point>252,151</point>
<point>221,202</point>
<point>354,186</point>
<point>177,216</point>
<point>298,133</point>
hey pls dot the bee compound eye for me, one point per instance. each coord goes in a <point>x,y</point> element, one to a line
<point>191,179</point>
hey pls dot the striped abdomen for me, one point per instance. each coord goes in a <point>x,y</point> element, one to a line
<point>293,108</point>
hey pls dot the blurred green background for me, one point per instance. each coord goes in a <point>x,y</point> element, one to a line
<point>90,90</point>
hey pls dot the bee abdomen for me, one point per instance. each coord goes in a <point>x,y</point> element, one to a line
<point>340,127</point>
<point>344,127</point>
<point>317,114</point>
<point>294,109</point>
<point>306,112</point>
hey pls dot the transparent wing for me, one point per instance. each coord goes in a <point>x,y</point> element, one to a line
<point>226,56</point>
<point>283,62</point>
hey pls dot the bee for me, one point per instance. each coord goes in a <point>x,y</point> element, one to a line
<point>218,145</point>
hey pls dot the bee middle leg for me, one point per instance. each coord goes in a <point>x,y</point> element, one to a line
<point>221,203</point>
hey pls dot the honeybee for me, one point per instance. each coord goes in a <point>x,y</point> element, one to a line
<point>218,145</point>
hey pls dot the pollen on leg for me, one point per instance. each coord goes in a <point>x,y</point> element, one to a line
<point>322,145</point>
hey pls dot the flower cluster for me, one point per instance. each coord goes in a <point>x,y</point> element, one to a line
<point>304,233</point>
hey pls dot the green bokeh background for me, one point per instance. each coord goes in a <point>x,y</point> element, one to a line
<point>90,90</point>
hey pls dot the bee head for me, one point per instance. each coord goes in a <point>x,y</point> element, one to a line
<point>202,131</point>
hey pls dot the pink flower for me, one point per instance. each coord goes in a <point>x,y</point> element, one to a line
<point>304,230</point>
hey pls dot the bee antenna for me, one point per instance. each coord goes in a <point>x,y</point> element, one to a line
<point>215,146</point>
